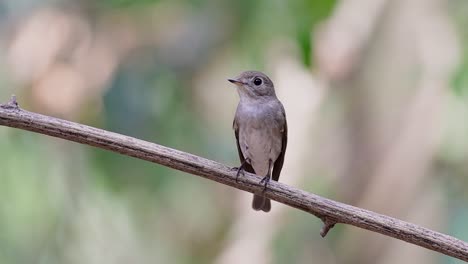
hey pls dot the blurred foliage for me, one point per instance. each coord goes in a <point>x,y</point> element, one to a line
<point>125,3</point>
<point>147,98</point>
<point>460,15</point>
<point>66,203</point>
<point>308,14</point>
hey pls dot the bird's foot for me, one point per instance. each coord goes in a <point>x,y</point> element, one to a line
<point>265,182</point>
<point>240,171</point>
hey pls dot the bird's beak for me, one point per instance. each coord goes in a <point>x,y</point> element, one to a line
<point>236,82</point>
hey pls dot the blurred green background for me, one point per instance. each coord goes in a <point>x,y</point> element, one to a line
<point>376,95</point>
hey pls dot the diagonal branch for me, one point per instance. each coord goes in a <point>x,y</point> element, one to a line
<point>331,212</point>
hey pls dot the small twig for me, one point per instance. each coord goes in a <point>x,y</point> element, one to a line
<point>331,211</point>
<point>12,104</point>
<point>327,225</point>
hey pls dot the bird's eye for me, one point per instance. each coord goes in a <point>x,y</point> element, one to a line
<point>257,81</point>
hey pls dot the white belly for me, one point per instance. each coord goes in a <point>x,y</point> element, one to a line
<point>261,145</point>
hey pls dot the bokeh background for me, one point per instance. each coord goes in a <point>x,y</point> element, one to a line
<point>376,95</point>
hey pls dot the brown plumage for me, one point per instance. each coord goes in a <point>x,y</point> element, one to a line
<point>261,130</point>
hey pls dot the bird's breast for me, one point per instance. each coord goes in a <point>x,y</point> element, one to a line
<point>260,137</point>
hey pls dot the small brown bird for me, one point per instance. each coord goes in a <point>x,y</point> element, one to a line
<point>261,130</point>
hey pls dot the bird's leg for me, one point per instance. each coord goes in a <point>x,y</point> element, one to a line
<point>240,169</point>
<point>266,179</point>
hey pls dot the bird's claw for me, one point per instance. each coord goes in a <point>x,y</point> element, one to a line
<point>265,182</point>
<point>239,172</point>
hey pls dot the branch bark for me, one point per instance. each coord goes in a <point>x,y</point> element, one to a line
<point>329,211</point>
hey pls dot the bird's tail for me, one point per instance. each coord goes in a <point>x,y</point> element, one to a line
<point>261,203</point>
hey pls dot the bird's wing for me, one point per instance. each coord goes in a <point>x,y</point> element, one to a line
<point>278,165</point>
<point>247,166</point>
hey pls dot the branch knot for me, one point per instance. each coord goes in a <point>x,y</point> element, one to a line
<point>12,104</point>
<point>327,225</point>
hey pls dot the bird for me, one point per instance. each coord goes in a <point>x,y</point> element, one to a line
<point>261,131</point>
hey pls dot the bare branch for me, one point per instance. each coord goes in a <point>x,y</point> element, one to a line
<point>331,212</point>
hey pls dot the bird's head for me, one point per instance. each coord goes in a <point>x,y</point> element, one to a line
<point>253,84</point>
